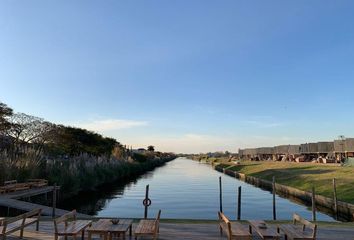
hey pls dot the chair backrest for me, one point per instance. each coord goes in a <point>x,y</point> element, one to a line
<point>11,182</point>
<point>224,219</point>
<point>34,213</point>
<point>157,221</point>
<point>64,219</point>
<point>305,223</point>
<point>12,220</point>
<point>158,216</point>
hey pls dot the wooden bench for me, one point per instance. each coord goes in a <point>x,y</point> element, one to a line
<point>148,227</point>
<point>37,183</point>
<point>72,227</point>
<point>12,186</point>
<point>9,186</point>
<point>233,230</point>
<point>306,230</point>
<point>22,186</point>
<point>14,224</point>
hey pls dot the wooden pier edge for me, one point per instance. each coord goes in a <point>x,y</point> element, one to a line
<point>11,200</point>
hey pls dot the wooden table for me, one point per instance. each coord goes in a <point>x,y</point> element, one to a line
<point>106,229</point>
<point>264,233</point>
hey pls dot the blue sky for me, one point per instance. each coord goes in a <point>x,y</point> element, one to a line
<point>185,76</point>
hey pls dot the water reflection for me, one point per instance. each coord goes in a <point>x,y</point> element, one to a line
<point>92,202</point>
<point>184,189</point>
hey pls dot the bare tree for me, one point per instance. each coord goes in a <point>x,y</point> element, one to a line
<point>5,113</point>
<point>29,134</point>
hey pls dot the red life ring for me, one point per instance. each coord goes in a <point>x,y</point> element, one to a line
<point>147,202</point>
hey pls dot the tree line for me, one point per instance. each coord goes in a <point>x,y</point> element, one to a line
<point>31,147</point>
<point>27,141</point>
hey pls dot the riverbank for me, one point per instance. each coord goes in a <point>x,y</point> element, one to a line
<point>89,179</point>
<point>302,176</point>
<point>296,181</point>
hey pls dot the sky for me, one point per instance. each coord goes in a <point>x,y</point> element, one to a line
<point>184,76</point>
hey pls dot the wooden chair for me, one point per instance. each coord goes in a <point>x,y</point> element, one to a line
<point>72,227</point>
<point>233,230</point>
<point>30,218</point>
<point>19,223</point>
<point>296,232</point>
<point>148,227</point>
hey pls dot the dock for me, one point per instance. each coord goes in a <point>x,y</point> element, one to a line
<point>189,231</point>
<point>28,193</point>
<point>11,200</point>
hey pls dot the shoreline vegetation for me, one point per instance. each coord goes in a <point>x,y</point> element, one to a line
<point>73,158</point>
<point>302,176</point>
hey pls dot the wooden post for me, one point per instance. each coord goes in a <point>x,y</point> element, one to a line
<point>54,199</point>
<point>274,207</point>
<point>335,198</point>
<point>146,199</point>
<point>313,204</point>
<point>239,204</point>
<point>220,194</point>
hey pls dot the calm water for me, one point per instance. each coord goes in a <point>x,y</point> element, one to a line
<point>185,189</point>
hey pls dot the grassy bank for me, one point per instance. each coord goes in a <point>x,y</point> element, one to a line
<point>302,176</point>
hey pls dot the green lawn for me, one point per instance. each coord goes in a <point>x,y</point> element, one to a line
<point>303,176</point>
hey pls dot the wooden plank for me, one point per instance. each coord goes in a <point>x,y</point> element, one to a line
<point>264,233</point>
<point>185,231</point>
<point>239,230</point>
<point>10,200</point>
<point>235,229</point>
<point>28,193</point>
<point>145,227</point>
<point>75,227</point>
<point>105,226</point>
<point>26,206</point>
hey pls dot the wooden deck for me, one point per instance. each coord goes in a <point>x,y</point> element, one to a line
<point>11,200</point>
<point>28,193</point>
<point>190,231</point>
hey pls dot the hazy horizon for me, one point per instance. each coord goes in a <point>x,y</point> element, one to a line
<point>188,77</point>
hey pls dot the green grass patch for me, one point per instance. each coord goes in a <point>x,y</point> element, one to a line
<point>303,176</point>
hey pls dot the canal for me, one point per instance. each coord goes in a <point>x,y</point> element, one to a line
<point>184,189</point>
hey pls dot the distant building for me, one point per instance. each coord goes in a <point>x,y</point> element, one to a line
<point>334,151</point>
